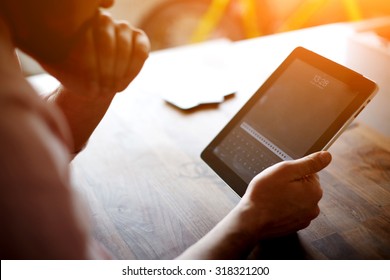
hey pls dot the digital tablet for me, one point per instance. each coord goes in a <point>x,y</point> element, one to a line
<point>300,109</point>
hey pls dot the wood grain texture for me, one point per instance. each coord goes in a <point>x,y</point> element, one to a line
<point>354,222</point>
<point>151,196</point>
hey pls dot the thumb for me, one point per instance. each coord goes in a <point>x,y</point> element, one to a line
<point>310,164</point>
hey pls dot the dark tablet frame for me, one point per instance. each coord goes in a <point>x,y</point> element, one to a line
<point>366,90</point>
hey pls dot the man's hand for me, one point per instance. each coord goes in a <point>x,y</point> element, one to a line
<point>284,198</point>
<point>104,61</point>
<point>281,200</point>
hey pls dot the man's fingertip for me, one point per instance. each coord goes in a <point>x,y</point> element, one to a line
<point>143,40</point>
<point>325,157</point>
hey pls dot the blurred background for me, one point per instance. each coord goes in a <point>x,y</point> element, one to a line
<point>172,23</point>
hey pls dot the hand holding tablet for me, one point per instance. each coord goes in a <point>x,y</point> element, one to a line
<point>301,108</point>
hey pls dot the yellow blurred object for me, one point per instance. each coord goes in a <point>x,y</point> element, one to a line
<point>310,7</point>
<point>304,12</point>
<point>353,10</point>
<point>215,12</point>
<point>249,18</point>
<point>209,20</point>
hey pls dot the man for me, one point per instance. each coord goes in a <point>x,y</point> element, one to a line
<point>94,57</point>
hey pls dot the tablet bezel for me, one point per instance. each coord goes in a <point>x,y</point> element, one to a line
<point>366,90</point>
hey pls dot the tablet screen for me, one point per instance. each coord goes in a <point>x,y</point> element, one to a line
<point>296,109</point>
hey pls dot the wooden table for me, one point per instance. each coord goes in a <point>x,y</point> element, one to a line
<point>355,210</point>
<point>151,196</point>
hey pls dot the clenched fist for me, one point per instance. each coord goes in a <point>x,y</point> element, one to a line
<point>104,61</point>
<point>106,58</point>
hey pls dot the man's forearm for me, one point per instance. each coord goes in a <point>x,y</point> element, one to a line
<point>82,113</point>
<point>227,240</point>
